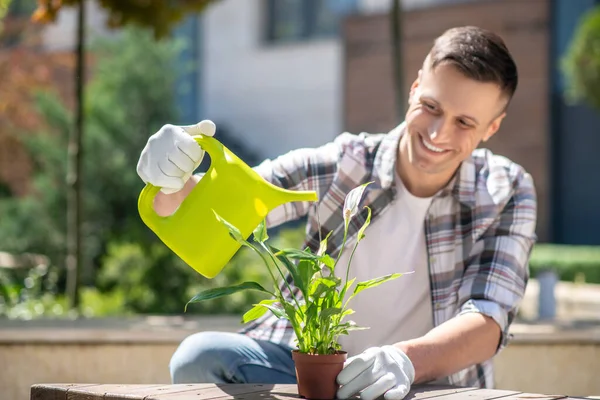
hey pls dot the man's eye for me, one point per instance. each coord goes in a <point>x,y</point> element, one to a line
<point>464,123</point>
<point>429,106</point>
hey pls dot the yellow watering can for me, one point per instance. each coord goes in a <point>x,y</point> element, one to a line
<point>234,191</point>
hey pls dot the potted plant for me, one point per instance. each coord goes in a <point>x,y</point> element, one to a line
<point>318,313</point>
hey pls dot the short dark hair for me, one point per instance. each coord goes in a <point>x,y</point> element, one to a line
<point>479,54</point>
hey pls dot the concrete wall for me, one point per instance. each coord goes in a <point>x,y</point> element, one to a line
<point>550,368</point>
<point>550,358</point>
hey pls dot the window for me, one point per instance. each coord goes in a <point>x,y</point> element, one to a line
<point>295,20</point>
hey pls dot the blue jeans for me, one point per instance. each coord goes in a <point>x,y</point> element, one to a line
<point>224,357</point>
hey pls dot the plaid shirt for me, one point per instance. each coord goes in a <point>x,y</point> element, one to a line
<point>480,228</point>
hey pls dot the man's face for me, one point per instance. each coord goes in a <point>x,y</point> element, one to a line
<point>448,116</point>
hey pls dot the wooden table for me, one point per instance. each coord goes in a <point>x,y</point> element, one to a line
<point>249,392</point>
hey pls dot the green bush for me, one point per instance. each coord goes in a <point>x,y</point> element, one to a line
<point>581,63</point>
<point>571,262</point>
<point>126,269</point>
<point>155,280</point>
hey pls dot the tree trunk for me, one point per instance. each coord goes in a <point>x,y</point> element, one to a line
<point>74,206</point>
<point>398,71</point>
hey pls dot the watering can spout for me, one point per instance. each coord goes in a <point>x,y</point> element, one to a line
<point>280,196</point>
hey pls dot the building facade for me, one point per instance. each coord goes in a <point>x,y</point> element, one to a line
<point>281,74</point>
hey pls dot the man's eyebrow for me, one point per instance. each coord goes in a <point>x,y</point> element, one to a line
<point>474,120</point>
<point>425,97</point>
<point>464,116</point>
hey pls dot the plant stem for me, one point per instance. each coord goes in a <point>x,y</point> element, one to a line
<point>347,270</point>
<point>350,260</point>
<point>282,276</point>
<point>341,248</point>
<point>281,297</point>
<point>267,265</point>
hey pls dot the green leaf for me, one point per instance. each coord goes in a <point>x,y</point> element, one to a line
<point>331,281</point>
<point>325,294</point>
<point>345,328</point>
<point>299,282</point>
<point>311,312</point>
<point>348,311</point>
<point>361,231</point>
<point>328,261</point>
<point>257,311</point>
<point>307,269</point>
<point>375,282</point>
<point>233,231</point>
<point>320,289</point>
<point>322,285</point>
<point>214,293</point>
<point>260,233</point>
<point>306,255</point>
<point>328,312</point>
<point>323,244</point>
<point>278,311</point>
<point>290,310</point>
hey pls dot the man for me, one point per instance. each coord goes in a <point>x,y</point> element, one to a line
<point>463,219</point>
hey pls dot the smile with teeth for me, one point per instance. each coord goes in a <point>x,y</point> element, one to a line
<point>431,147</point>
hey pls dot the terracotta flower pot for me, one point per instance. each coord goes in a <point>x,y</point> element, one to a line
<point>316,374</point>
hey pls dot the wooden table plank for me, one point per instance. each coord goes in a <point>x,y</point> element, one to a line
<point>100,390</point>
<point>228,391</point>
<point>431,391</point>
<point>54,391</point>
<point>201,392</point>
<point>144,392</point>
<point>251,392</point>
<point>487,394</point>
<point>533,396</point>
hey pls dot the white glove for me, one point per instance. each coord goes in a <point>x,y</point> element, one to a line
<point>171,155</point>
<point>377,371</point>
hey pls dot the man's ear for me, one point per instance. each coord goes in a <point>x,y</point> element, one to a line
<point>494,126</point>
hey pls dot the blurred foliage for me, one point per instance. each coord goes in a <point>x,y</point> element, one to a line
<point>15,23</point>
<point>127,269</point>
<point>571,262</point>
<point>159,15</point>
<point>581,63</point>
<point>158,268</point>
<point>32,293</point>
<point>23,67</point>
<point>24,70</point>
<point>4,4</point>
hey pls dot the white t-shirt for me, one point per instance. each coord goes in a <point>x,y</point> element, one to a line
<point>399,309</point>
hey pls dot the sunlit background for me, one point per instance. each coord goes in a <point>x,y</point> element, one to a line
<point>89,294</point>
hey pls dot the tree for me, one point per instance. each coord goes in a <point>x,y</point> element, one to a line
<point>24,70</point>
<point>397,70</point>
<point>581,63</point>
<point>129,96</point>
<point>4,4</point>
<point>158,15</point>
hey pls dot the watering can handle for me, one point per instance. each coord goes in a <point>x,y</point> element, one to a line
<point>149,192</point>
<point>211,146</point>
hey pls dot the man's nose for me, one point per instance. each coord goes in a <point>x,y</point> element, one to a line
<point>439,130</point>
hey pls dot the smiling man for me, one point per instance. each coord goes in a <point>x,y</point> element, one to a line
<point>462,218</point>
